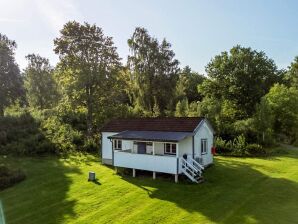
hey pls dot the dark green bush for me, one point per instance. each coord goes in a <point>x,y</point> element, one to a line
<point>90,145</point>
<point>9,177</point>
<point>23,134</point>
<point>238,147</point>
<point>255,149</point>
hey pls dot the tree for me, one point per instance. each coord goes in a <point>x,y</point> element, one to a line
<point>41,88</point>
<point>284,103</point>
<point>263,121</point>
<point>11,84</point>
<point>154,72</point>
<point>292,74</point>
<point>241,76</point>
<point>187,85</point>
<point>182,108</point>
<point>88,69</point>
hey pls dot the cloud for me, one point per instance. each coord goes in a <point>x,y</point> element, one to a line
<point>8,20</point>
<point>56,13</point>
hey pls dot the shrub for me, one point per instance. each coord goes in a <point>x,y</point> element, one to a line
<point>255,149</point>
<point>90,145</point>
<point>222,147</point>
<point>9,177</point>
<point>238,147</point>
<point>23,134</point>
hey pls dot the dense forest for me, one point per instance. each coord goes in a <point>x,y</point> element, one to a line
<point>55,109</point>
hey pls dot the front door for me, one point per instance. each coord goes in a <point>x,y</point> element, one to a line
<point>141,147</point>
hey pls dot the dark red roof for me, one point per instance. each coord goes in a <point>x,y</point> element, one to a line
<point>180,124</point>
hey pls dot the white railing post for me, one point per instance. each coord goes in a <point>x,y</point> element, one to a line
<point>153,148</point>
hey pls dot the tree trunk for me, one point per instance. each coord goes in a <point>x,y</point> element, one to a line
<point>89,112</point>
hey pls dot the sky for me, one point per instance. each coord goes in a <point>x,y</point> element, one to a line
<point>197,29</point>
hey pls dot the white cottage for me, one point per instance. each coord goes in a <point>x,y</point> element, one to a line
<point>166,145</point>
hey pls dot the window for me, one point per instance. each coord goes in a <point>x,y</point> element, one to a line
<point>170,149</point>
<point>203,146</point>
<point>117,144</point>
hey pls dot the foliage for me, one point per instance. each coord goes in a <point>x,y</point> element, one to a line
<point>241,76</point>
<point>182,108</point>
<point>263,122</point>
<point>238,147</point>
<point>43,132</point>
<point>153,72</point>
<point>41,88</point>
<point>187,83</point>
<point>11,86</point>
<point>22,135</point>
<point>249,102</point>
<point>88,68</point>
<point>62,135</point>
<point>291,76</point>
<point>284,104</point>
<point>10,177</point>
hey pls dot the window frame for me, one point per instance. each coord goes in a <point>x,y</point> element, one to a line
<point>171,149</point>
<point>116,144</point>
<point>205,151</point>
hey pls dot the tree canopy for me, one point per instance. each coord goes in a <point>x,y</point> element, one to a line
<point>11,86</point>
<point>88,67</point>
<point>154,72</point>
<point>246,98</point>
<point>41,89</point>
<point>241,76</point>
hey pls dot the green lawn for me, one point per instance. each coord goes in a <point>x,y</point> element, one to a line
<point>251,190</point>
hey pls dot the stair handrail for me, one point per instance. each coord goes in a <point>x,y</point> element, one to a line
<point>190,170</point>
<point>190,165</point>
<point>197,164</point>
<point>191,177</point>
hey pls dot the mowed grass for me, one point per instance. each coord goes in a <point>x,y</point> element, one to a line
<point>237,190</point>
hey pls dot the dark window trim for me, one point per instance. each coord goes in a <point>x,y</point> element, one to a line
<point>204,139</point>
<point>116,144</point>
<point>169,153</point>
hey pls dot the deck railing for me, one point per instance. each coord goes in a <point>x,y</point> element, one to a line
<point>164,164</point>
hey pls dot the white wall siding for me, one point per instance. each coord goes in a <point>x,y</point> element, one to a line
<point>185,146</point>
<point>204,132</point>
<point>107,146</point>
<point>163,164</point>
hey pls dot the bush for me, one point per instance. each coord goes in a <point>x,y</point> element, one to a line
<point>255,149</point>
<point>221,146</point>
<point>238,147</point>
<point>90,145</point>
<point>23,134</point>
<point>9,177</point>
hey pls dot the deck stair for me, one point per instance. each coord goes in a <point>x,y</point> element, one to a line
<point>192,169</point>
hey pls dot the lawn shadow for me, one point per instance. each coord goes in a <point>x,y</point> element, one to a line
<point>96,181</point>
<point>234,192</point>
<point>43,196</point>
